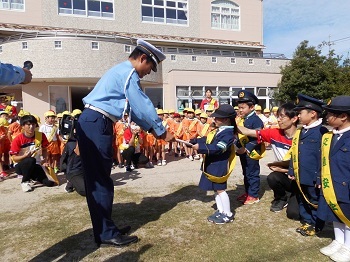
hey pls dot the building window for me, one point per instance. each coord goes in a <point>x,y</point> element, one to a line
<point>24,45</point>
<point>214,59</point>
<point>173,58</point>
<point>251,61</point>
<point>194,58</point>
<point>58,44</point>
<point>12,4</point>
<point>95,45</point>
<point>233,60</point>
<point>0,49</point>
<point>166,12</point>
<point>225,15</point>
<point>127,49</point>
<point>268,62</point>
<point>89,8</point>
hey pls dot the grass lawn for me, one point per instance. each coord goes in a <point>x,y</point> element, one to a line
<point>171,227</point>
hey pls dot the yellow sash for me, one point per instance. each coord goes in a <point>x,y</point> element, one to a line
<point>52,133</point>
<point>326,178</point>
<point>179,129</point>
<point>194,121</point>
<point>243,139</point>
<point>231,162</point>
<point>204,130</point>
<point>295,150</point>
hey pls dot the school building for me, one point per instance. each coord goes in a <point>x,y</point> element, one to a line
<point>215,45</point>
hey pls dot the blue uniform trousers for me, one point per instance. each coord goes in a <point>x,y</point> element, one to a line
<point>308,214</point>
<point>251,173</point>
<point>95,137</point>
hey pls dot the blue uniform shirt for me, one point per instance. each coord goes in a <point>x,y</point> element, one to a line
<point>11,75</point>
<point>117,84</point>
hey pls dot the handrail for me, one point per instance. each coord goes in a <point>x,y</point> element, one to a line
<point>167,49</point>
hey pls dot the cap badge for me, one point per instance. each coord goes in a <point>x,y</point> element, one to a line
<point>241,94</point>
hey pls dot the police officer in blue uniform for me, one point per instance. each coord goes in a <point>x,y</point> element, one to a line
<point>250,166</point>
<point>309,161</point>
<point>115,93</point>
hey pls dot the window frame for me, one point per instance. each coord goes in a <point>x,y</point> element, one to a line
<point>127,49</point>
<point>194,59</point>
<point>58,44</point>
<point>268,62</point>
<point>86,12</point>
<point>234,60</point>
<point>232,8</point>
<point>173,58</point>
<point>24,45</point>
<point>214,59</point>
<point>250,61</point>
<point>97,45</point>
<point>21,6</point>
<point>164,11</point>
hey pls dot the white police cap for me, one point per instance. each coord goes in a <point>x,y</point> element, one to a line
<point>150,50</point>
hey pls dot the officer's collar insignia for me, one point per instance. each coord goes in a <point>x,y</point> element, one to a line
<point>297,101</point>
<point>329,102</point>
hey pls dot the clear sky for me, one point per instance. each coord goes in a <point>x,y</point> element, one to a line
<point>288,22</point>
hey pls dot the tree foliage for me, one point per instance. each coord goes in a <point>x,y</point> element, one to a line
<point>313,74</point>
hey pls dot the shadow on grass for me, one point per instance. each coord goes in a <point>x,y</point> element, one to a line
<point>151,208</point>
<point>129,255</point>
<point>72,248</point>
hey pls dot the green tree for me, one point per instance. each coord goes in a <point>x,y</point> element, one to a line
<point>311,73</point>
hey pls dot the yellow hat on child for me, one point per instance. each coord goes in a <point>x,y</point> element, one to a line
<point>49,113</point>
<point>197,111</point>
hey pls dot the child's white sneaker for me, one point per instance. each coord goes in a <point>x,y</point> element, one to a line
<point>342,255</point>
<point>190,158</point>
<point>163,162</point>
<point>333,247</point>
<point>26,187</point>
<point>159,162</point>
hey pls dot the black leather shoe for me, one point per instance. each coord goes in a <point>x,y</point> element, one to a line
<point>119,241</point>
<point>124,230</point>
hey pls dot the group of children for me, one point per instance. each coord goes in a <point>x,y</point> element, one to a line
<point>319,163</point>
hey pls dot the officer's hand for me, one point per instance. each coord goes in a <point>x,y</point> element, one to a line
<point>291,177</point>
<point>27,77</point>
<point>241,150</point>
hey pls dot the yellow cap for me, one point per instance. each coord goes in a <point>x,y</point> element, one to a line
<point>185,109</point>
<point>198,111</point>
<point>181,113</point>
<point>76,112</point>
<point>65,113</point>
<point>203,115</point>
<point>22,113</point>
<point>59,115</point>
<point>160,112</point>
<point>190,110</point>
<point>171,111</point>
<point>49,113</point>
<point>275,108</point>
<point>165,111</point>
<point>258,107</point>
<point>266,110</point>
<point>37,119</point>
<point>4,122</point>
<point>236,108</point>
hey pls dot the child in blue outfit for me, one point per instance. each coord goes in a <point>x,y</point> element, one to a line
<point>305,164</point>
<point>219,160</point>
<point>334,204</point>
<point>249,150</point>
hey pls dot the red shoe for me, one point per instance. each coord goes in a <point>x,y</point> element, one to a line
<point>243,197</point>
<point>3,174</point>
<point>251,200</point>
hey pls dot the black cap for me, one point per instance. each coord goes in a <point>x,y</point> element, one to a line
<point>246,96</point>
<point>224,111</point>
<point>308,102</point>
<point>339,104</point>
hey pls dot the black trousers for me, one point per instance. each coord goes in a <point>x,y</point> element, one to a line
<point>30,170</point>
<point>282,186</point>
<point>77,180</point>
<point>130,156</point>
